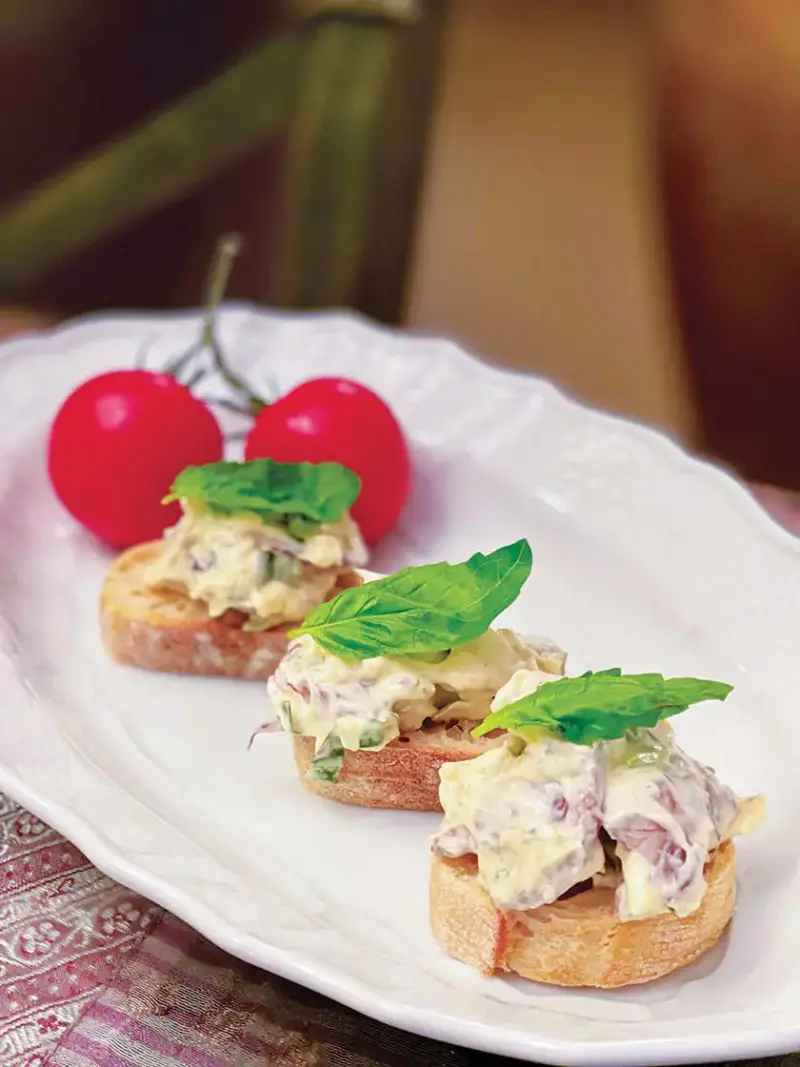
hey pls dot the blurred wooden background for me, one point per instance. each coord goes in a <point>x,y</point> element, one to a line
<point>87,72</point>
<point>728,95</point>
<point>609,196</point>
<point>540,238</point>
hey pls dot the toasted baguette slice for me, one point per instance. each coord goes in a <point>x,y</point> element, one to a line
<point>578,941</point>
<point>162,630</point>
<point>403,776</point>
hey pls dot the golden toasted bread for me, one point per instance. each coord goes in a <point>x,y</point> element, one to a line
<point>163,630</point>
<point>403,776</point>
<point>577,941</point>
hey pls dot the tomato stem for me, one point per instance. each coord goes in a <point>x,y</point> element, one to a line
<point>140,359</point>
<point>228,248</point>
<point>228,405</point>
<point>177,366</point>
<point>195,378</point>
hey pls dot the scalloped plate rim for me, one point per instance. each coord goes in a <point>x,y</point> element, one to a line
<point>652,435</point>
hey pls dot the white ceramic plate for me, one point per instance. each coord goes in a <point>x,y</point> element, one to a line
<point>644,558</point>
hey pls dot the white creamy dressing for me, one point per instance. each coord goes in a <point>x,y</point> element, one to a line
<point>666,812</point>
<point>238,562</point>
<point>532,817</point>
<point>370,702</point>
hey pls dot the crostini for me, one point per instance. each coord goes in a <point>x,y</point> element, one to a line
<point>587,849</point>
<point>381,685</point>
<point>259,545</point>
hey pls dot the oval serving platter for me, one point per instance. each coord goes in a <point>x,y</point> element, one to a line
<point>643,558</point>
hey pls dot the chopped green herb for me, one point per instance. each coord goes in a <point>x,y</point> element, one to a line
<point>372,736</point>
<point>327,763</point>
<point>286,708</point>
<point>300,528</point>
<point>641,748</point>
<point>433,657</point>
<point>283,568</point>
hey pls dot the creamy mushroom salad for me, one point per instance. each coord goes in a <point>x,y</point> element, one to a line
<point>367,703</point>
<point>274,573</point>
<point>545,816</point>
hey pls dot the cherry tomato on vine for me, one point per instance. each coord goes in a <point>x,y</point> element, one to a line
<point>116,445</point>
<point>334,419</point>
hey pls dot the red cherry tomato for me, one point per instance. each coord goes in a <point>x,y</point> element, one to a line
<point>116,446</point>
<point>333,419</point>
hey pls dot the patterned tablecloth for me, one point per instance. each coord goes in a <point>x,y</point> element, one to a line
<point>92,975</point>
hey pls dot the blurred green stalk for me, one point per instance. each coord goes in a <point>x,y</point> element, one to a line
<point>331,157</point>
<point>151,166</point>
<point>353,82</point>
<point>356,154</point>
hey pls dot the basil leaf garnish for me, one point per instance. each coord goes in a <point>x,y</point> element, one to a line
<point>602,705</point>
<point>421,610</point>
<point>315,492</point>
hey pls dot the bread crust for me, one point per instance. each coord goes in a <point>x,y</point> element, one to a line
<point>404,776</point>
<point>578,941</point>
<point>163,630</point>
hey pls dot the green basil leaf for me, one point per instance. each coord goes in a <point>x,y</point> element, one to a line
<point>601,705</point>
<point>319,492</point>
<point>327,763</point>
<point>421,610</point>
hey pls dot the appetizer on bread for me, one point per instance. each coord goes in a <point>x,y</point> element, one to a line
<point>259,545</point>
<point>381,685</point>
<point>587,849</point>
